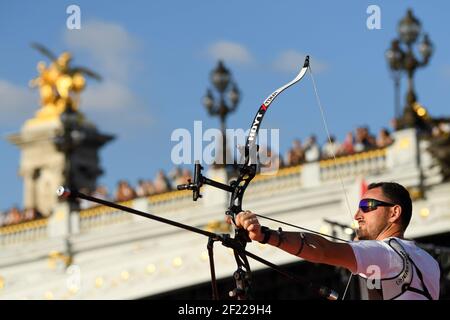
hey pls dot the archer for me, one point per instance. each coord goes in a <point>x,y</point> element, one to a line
<point>407,272</point>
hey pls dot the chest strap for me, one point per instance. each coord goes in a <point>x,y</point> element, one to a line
<point>394,287</point>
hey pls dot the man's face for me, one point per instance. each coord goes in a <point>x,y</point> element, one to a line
<point>372,223</point>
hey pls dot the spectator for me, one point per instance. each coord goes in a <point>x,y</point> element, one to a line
<point>330,148</point>
<point>145,188</point>
<point>124,191</point>
<point>185,176</point>
<point>149,187</point>
<point>359,140</point>
<point>364,140</point>
<point>370,139</point>
<point>394,123</point>
<point>175,177</point>
<point>29,214</point>
<point>384,138</point>
<point>162,184</point>
<point>276,161</point>
<point>347,147</point>
<point>269,160</point>
<point>312,150</point>
<point>296,154</point>
<point>13,216</point>
<point>440,129</point>
<point>140,189</point>
<point>3,216</point>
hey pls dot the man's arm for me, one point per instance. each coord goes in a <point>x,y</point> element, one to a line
<point>311,247</point>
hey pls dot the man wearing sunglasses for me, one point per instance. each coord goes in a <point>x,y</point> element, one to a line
<point>395,268</point>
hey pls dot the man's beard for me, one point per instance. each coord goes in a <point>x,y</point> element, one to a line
<point>362,235</point>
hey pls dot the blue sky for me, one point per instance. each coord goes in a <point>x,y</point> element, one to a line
<point>156,56</point>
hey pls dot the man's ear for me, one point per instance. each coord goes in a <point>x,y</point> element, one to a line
<point>395,214</point>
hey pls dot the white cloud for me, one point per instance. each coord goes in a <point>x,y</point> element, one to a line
<point>230,52</point>
<point>291,61</point>
<point>109,44</point>
<point>16,102</point>
<point>113,51</point>
<point>108,95</point>
<point>115,108</point>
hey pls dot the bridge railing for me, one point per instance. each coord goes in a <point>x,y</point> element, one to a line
<point>23,232</point>
<point>363,163</point>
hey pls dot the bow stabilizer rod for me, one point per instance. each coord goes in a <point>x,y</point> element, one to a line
<point>227,241</point>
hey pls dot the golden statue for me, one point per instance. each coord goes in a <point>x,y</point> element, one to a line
<point>59,84</point>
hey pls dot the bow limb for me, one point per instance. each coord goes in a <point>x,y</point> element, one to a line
<point>248,169</point>
<point>254,129</point>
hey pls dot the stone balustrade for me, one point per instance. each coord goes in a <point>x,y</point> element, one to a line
<point>23,232</point>
<point>364,163</point>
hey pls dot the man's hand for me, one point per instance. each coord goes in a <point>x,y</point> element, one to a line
<point>248,221</point>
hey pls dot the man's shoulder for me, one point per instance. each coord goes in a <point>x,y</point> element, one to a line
<point>416,251</point>
<point>408,245</point>
<point>391,244</point>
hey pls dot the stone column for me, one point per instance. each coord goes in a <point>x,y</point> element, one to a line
<point>43,165</point>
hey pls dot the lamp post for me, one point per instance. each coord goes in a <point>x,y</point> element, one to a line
<point>226,103</point>
<point>66,142</point>
<point>403,59</point>
<point>70,138</point>
<point>393,56</point>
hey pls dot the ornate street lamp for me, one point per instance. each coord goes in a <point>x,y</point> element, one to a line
<point>400,60</point>
<point>226,103</point>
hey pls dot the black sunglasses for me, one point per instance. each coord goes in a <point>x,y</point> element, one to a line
<point>367,205</point>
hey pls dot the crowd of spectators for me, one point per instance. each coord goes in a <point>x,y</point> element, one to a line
<point>145,187</point>
<point>441,129</point>
<point>15,215</point>
<point>358,141</point>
